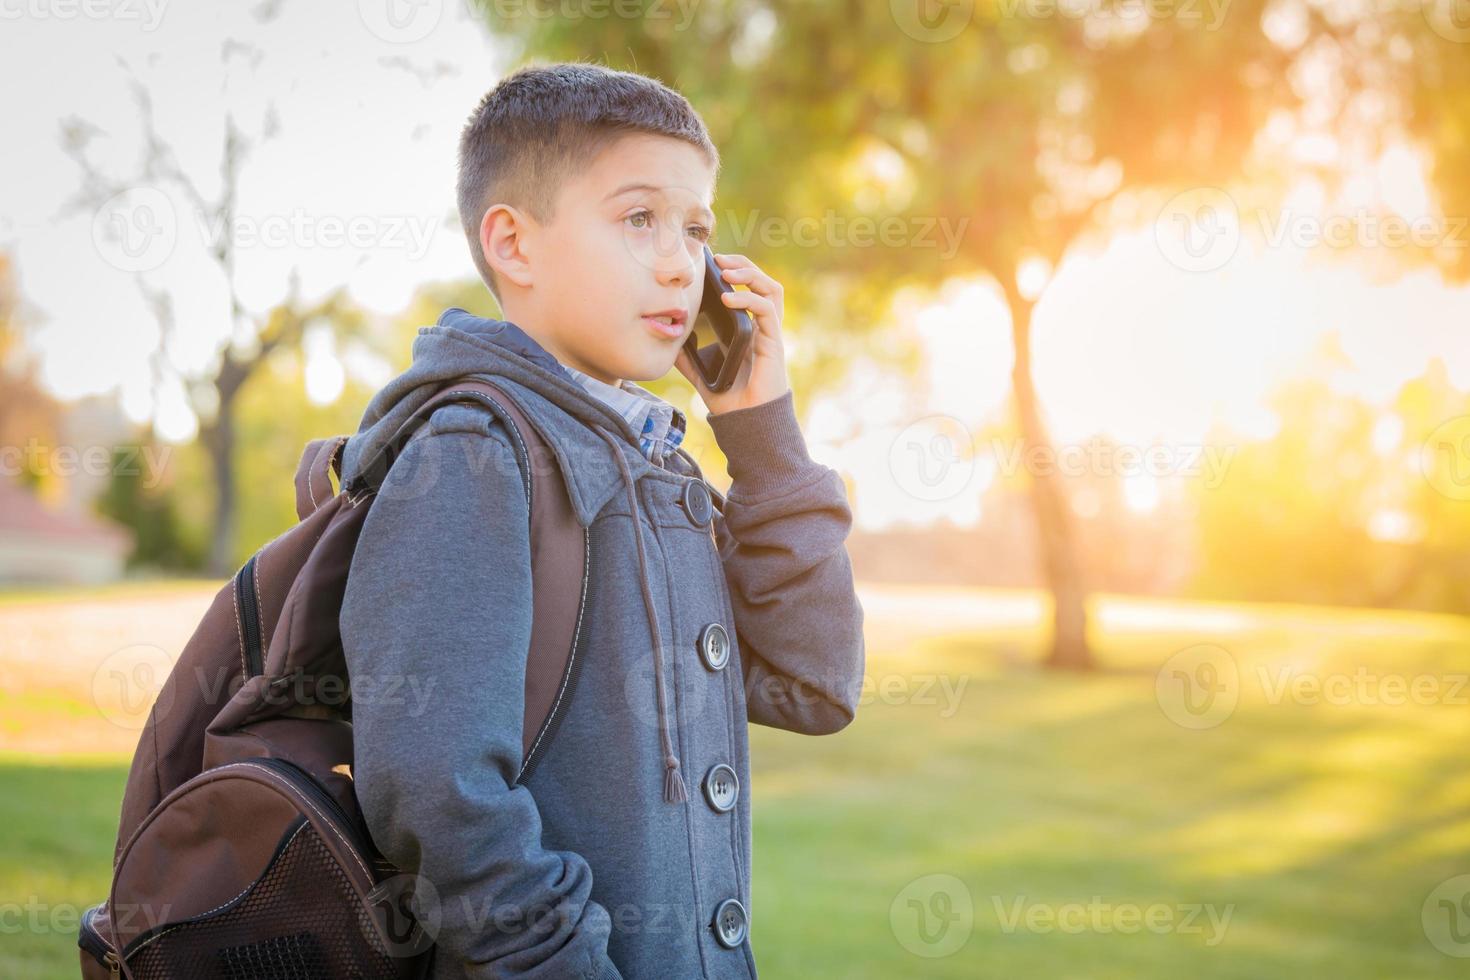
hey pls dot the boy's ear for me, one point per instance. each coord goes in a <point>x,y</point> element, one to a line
<point>505,240</point>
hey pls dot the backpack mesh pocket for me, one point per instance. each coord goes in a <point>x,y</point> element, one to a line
<point>301,920</point>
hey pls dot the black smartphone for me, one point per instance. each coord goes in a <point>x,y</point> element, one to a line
<point>720,340</point>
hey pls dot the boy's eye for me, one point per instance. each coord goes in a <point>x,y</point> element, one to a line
<point>643,218</point>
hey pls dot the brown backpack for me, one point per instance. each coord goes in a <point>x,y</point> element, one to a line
<point>241,850</point>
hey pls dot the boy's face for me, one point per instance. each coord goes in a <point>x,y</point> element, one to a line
<point>626,242</point>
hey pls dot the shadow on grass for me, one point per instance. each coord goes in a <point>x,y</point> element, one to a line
<point>60,824</point>
<point>1319,828</point>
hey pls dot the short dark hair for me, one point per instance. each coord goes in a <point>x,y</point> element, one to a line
<point>542,123</point>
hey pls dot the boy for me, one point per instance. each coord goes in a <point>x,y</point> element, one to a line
<point>624,849</point>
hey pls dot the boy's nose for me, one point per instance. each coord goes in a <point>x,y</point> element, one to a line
<point>675,268</point>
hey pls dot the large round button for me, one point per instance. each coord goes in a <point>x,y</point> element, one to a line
<point>730,923</point>
<point>697,503</point>
<point>721,787</point>
<point>714,646</point>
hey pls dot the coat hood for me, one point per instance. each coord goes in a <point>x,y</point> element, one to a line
<point>462,344</point>
<point>577,426</point>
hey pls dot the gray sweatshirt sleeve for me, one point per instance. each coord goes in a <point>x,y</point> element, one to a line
<point>436,625</point>
<point>798,622</point>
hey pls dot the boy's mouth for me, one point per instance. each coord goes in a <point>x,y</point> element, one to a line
<point>667,323</point>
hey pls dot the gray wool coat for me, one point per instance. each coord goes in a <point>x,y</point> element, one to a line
<point>592,864</point>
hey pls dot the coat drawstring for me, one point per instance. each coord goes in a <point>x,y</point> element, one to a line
<point>673,782</point>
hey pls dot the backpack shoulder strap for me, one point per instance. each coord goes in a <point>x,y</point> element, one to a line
<point>560,548</point>
<point>560,554</point>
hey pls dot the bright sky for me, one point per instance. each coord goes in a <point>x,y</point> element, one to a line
<point>1129,345</point>
<point>1127,342</point>
<point>356,189</point>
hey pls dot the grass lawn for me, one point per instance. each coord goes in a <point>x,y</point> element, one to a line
<point>983,818</point>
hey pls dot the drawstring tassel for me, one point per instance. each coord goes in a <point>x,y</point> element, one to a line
<point>673,782</point>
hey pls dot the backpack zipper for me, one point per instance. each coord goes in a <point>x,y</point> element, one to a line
<point>307,785</point>
<point>90,940</point>
<point>249,604</point>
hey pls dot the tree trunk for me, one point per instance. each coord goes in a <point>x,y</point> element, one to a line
<point>219,440</point>
<point>1069,649</point>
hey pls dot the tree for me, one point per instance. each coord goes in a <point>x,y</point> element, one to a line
<point>249,338</point>
<point>1037,126</point>
<point>1018,128</point>
<point>26,410</point>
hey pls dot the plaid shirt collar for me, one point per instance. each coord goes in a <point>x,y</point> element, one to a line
<point>660,426</point>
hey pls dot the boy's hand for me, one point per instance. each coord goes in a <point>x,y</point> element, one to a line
<point>762,376</point>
